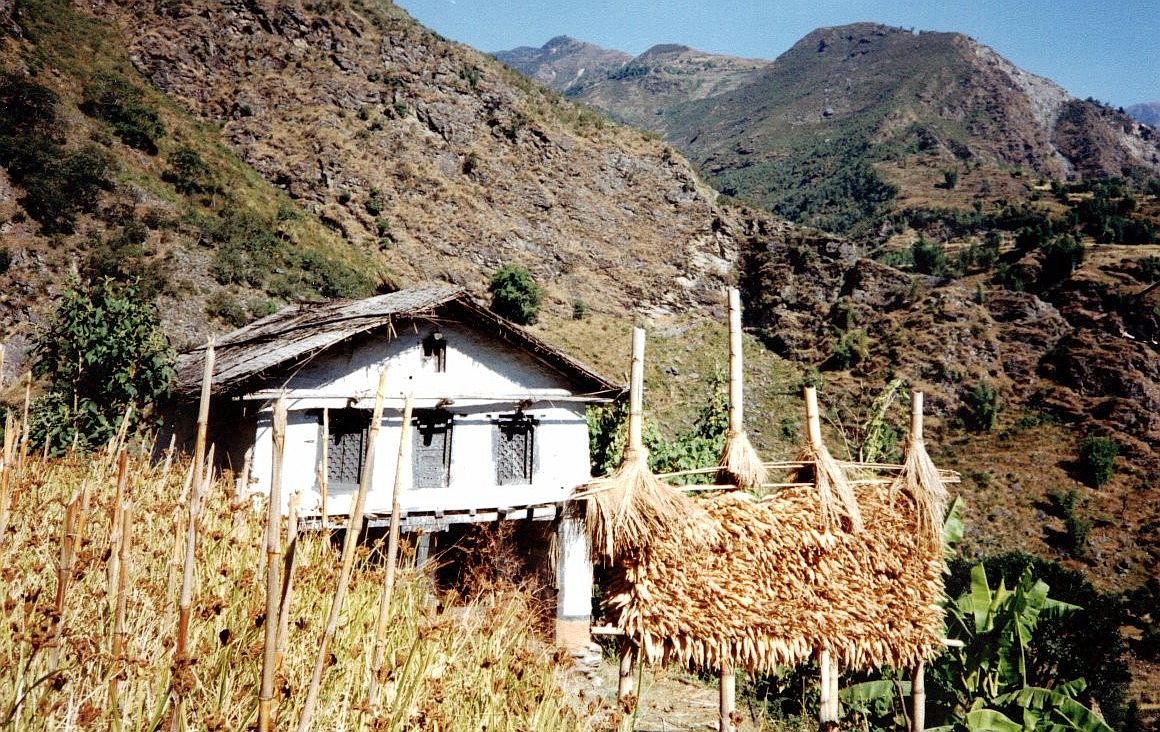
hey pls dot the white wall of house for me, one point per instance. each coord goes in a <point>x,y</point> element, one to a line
<point>483,380</point>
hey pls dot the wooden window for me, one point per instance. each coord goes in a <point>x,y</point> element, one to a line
<point>435,351</point>
<point>346,446</point>
<point>432,448</point>
<point>514,449</point>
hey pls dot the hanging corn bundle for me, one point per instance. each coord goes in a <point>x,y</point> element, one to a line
<point>632,506</point>
<point>835,494</point>
<point>920,480</point>
<point>740,464</point>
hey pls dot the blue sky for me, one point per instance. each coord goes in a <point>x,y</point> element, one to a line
<point>1104,49</point>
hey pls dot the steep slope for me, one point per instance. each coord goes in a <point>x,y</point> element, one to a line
<point>433,157</point>
<point>564,62</point>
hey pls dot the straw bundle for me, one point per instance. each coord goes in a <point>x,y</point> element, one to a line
<point>779,585</point>
<point>835,494</point>
<point>740,464</point>
<point>920,480</point>
<point>631,507</point>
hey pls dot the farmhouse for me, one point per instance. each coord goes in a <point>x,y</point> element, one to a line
<point>498,431</point>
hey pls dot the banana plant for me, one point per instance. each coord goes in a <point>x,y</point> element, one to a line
<point>996,628</point>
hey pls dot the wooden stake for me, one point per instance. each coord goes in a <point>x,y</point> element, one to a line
<point>273,567</point>
<point>835,701</point>
<point>116,523</point>
<point>918,697</point>
<point>392,553</point>
<point>353,528</point>
<point>636,393</point>
<point>727,697</point>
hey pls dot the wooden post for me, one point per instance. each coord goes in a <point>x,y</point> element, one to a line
<point>273,568</point>
<point>636,392</point>
<point>324,470</point>
<point>401,466</point>
<point>825,716</point>
<point>736,364</point>
<point>624,686</point>
<point>288,562</point>
<point>727,697</point>
<point>628,651</point>
<point>835,701</point>
<point>918,691</point>
<point>353,529</point>
<point>813,418</point>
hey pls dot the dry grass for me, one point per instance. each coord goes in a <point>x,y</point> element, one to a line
<point>460,670</point>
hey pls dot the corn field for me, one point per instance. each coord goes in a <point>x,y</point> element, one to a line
<point>109,627</point>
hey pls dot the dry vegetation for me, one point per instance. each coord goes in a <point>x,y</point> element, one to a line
<point>92,618</point>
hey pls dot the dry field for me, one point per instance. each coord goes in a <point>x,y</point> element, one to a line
<point>91,576</point>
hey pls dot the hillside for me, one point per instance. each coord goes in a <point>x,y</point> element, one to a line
<point>856,121</point>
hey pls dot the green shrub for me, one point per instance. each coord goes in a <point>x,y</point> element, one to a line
<point>63,187</point>
<point>930,257</point>
<point>5,259</point>
<point>579,309</point>
<point>950,178</point>
<point>188,173</point>
<point>1097,456</point>
<point>1061,255</point>
<point>982,407</point>
<point>123,256</point>
<point>850,349</point>
<point>1076,527</point>
<point>103,351</point>
<point>515,295</point>
<point>114,99</point>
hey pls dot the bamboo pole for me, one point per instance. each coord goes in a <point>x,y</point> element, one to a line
<point>287,580</point>
<point>835,701</point>
<point>64,573</point>
<point>6,473</point>
<point>353,528</point>
<point>736,364</point>
<point>203,412</point>
<point>813,419</point>
<point>124,547</point>
<point>624,685</point>
<point>918,698</point>
<point>727,697</point>
<point>116,523</point>
<point>273,567</point>
<point>181,660</point>
<point>392,554</point>
<point>636,393</point>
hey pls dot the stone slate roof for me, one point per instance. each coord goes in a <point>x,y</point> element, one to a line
<point>299,331</point>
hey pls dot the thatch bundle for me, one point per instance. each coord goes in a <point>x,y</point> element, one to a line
<point>632,506</point>
<point>920,481</point>
<point>781,582</point>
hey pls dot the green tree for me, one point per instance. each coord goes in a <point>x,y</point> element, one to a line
<point>114,99</point>
<point>102,352</point>
<point>515,295</point>
<point>981,407</point>
<point>1097,456</point>
<point>930,257</point>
